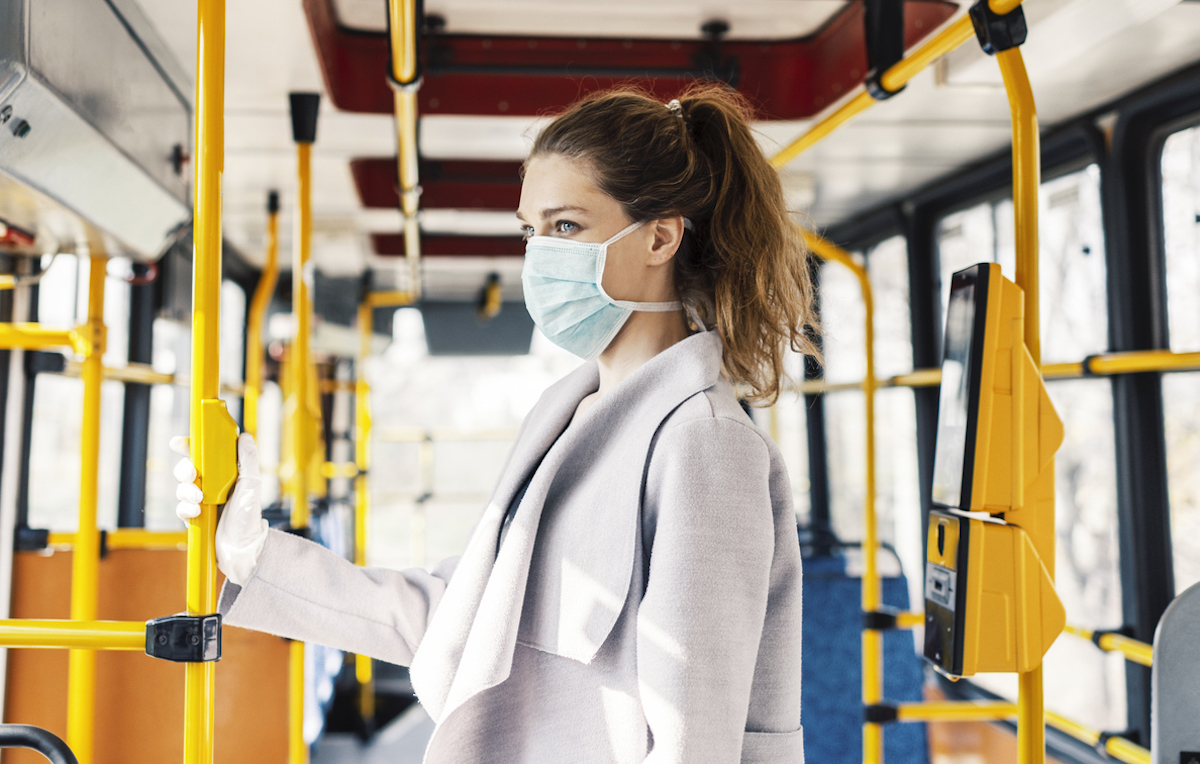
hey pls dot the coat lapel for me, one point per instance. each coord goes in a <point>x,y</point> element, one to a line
<point>576,529</point>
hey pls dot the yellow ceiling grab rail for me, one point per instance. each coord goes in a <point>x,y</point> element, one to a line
<point>896,77</point>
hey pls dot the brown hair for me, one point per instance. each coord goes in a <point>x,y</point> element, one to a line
<point>744,267</point>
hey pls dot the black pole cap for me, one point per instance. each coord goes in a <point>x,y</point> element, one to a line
<point>304,116</point>
<point>272,202</point>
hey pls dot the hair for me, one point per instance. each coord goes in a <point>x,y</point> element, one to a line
<point>744,267</point>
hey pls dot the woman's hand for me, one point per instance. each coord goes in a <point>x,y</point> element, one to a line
<point>242,531</point>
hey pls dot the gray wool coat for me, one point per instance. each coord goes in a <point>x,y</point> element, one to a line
<point>644,605</point>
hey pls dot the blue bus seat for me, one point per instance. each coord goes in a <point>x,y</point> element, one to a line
<point>831,690</point>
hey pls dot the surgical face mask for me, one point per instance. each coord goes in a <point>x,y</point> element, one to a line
<point>564,292</point>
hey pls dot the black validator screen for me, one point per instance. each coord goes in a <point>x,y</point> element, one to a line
<point>954,454</point>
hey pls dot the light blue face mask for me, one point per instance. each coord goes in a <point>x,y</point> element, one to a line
<point>564,293</point>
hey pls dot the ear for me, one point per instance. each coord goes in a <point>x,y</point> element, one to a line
<point>668,235</point>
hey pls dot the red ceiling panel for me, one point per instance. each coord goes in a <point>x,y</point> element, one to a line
<point>485,75</point>
<point>463,185</point>
<point>453,246</point>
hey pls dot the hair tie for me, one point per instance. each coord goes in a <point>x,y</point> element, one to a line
<point>675,107</point>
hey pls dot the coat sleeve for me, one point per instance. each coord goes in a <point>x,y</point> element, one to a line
<point>300,590</point>
<point>701,618</point>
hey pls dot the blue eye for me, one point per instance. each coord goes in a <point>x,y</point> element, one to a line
<point>566,226</point>
<point>526,231</point>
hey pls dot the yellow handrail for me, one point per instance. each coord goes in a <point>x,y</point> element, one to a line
<point>127,538</point>
<point>209,448</point>
<point>402,27</point>
<point>73,635</point>
<point>144,374</point>
<point>1119,748</point>
<point>956,711</point>
<point>872,640</point>
<point>85,561</point>
<point>34,336</point>
<point>1133,650</point>
<point>1101,365</point>
<point>254,319</point>
<point>958,32</point>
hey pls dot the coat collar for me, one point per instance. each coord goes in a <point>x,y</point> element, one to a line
<point>470,641</point>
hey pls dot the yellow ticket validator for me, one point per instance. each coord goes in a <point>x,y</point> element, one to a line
<point>990,603</point>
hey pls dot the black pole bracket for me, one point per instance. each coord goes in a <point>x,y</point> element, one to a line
<point>184,638</point>
<point>31,539</point>
<point>880,713</point>
<point>883,24</point>
<point>997,33</point>
<point>879,620</point>
<point>1124,631</point>
<point>1104,737</point>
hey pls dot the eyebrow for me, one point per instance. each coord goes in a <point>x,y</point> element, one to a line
<point>552,211</point>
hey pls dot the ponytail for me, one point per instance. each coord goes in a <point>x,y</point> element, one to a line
<point>743,267</point>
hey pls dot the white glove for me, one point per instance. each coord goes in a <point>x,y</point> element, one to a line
<point>242,531</point>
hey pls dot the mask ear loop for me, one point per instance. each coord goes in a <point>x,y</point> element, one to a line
<point>624,232</point>
<point>645,307</point>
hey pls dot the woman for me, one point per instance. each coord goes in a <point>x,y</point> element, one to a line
<point>632,591</point>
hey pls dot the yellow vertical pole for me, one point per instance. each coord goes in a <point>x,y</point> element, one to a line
<point>363,670</point>
<point>301,427</point>
<point>85,563</point>
<point>258,310</point>
<point>872,596</point>
<point>304,132</point>
<point>200,678</point>
<point>1031,727</point>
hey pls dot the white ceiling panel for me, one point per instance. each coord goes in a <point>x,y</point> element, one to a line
<point>664,19</point>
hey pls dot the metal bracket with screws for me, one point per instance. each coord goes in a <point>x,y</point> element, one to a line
<point>184,638</point>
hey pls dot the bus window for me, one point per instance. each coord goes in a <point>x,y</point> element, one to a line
<point>424,505</point>
<point>233,335</point>
<point>897,489</point>
<point>1181,392</point>
<point>1081,682</point>
<point>787,423</point>
<point>1074,308</point>
<point>171,354</point>
<point>54,457</point>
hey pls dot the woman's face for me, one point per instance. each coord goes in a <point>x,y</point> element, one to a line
<point>559,198</point>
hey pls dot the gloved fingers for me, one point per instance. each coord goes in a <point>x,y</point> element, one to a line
<point>186,510</point>
<point>247,456</point>
<point>189,493</point>
<point>182,445</point>
<point>185,471</point>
